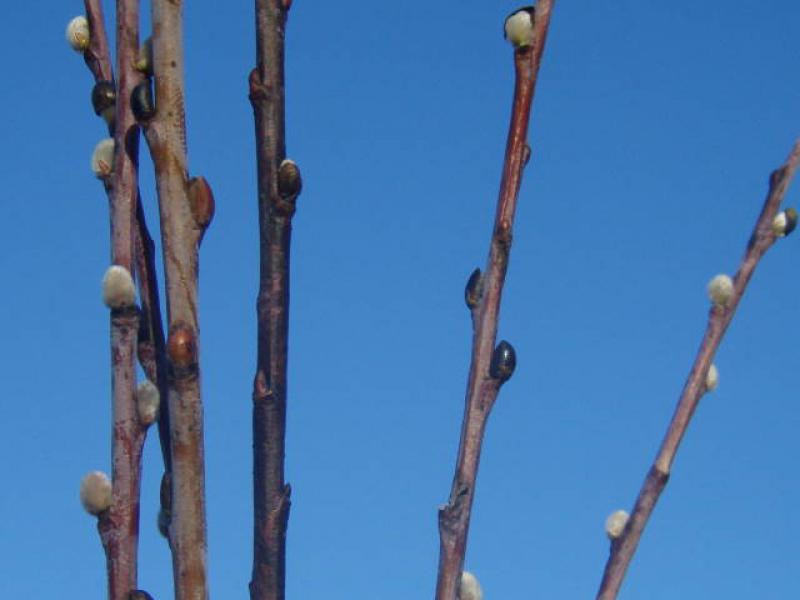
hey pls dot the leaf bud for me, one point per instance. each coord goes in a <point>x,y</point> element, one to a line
<point>104,99</point>
<point>504,361</point>
<point>182,346</point>
<point>289,180</point>
<point>474,289</point>
<point>201,201</point>
<point>142,103</point>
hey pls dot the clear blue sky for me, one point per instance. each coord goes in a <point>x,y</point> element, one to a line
<point>655,127</point>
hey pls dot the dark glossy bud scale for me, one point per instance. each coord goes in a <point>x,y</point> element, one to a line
<point>474,289</point>
<point>791,220</point>
<point>139,595</point>
<point>289,181</point>
<point>504,361</point>
<point>104,96</point>
<point>142,103</point>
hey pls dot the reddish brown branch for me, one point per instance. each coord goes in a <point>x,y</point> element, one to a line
<point>97,56</point>
<point>762,238</point>
<point>150,342</point>
<point>181,233</point>
<point>276,203</point>
<point>119,526</point>
<point>483,387</point>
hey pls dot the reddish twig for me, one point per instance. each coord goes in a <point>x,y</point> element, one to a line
<point>720,316</point>
<point>484,300</point>
<point>183,223</point>
<point>119,526</point>
<point>97,55</point>
<point>278,188</point>
<point>150,341</point>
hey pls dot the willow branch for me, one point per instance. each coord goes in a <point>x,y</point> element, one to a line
<point>278,188</point>
<point>483,385</point>
<point>150,341</point>
<point>119,526</point>
<point>97,55</point>
<point>720,316</point>
<point>182,228</point>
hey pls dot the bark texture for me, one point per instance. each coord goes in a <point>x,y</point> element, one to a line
<point>181,233</point>
<point>277,195</point>
<point>482,387</point>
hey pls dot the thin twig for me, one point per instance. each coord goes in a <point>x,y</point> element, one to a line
<point>278,188</point>
<point>119,526</point>
<point>482,387</point>
<point>97,55</point>
<point>720,316</point>
<point>151,346</point>
<point>181,232</point>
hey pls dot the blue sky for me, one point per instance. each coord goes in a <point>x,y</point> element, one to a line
<point>655,126</point>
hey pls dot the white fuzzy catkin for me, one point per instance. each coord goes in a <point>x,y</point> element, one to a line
<point>470,588</point>
<point>519,28</point>
<point>119,290</point>
<point>720,289</point>
<point>779,224</point>
<point>95,492</point>
<point>147,402</point>
<point>615,524</point>
<point>77,33</point>
<point>103,158</point>
<point>712,378</point>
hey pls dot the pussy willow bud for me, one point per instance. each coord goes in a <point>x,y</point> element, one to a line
<point>615,524</point>
<point>147,402</point>
<point>474,289</point>
<point>720,290</point>
<point>784,222</point>
<point>712,378</point>
<point>103,158</point>
<point>77,33</point>
<point>139,595</point>
<point>144,60</point>
<point>469,588</point>
<point>519,26</point>
<point>119,290</point>
<point>95,492</point>
<point>504,361</point>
